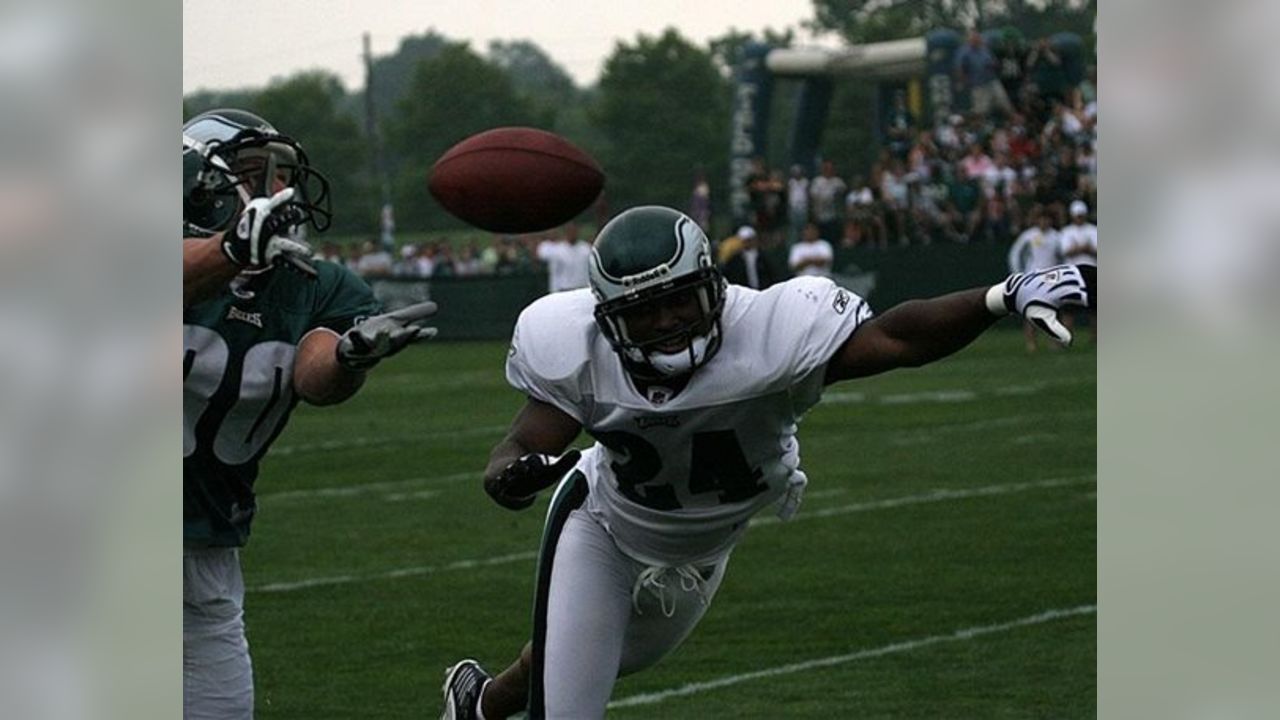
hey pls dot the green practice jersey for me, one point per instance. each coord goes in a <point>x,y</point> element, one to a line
<point>237,372</point>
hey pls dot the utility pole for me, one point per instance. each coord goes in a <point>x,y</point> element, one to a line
<point>377,164</point>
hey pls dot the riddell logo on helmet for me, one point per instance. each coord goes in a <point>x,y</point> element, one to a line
<point>661,271</point>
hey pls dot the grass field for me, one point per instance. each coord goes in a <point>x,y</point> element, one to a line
<point>943,564</point>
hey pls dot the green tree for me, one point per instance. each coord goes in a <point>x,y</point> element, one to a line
<point>663,107</point>
<point>533,73</point>
<point>866,21</point>
<point>205,100</point>
<point>726,48</point>
<point>306,107</point>
<point>452,96</point>
<point>392,74</point>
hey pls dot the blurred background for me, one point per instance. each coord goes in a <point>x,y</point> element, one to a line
<point>858,117</point>
<point>1187,583</point>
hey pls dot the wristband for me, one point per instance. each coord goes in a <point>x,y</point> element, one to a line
<point>995,301</point>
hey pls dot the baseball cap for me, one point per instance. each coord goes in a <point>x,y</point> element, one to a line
<point>746,232</point>
<point>1079,208</point>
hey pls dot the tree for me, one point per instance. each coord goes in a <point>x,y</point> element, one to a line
<point>306,107</point>
<point>392,74</point>
<point>663,106</point>
<point>451,96</point>
<point>533,73</point>
<point>205,100</point>
<point>725,49</point>
<point>867,21</point>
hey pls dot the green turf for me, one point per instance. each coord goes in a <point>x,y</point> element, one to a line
<point>400,465</point>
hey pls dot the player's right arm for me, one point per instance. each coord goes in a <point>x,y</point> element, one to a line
<point>918,332</point>
<point>256,240</point>
<point>529,458</point>
<point>205,268</point>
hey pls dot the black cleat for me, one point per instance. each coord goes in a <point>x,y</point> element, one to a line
<point>463,684</point>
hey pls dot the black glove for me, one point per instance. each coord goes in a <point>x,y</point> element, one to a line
<point>381,336</point>
<point>259,235</point>
<point>516,486</point>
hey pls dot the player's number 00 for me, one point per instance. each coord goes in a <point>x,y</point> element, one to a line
<point>265,394</point>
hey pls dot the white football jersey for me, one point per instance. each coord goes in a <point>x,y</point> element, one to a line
<point>675,477</point>
<point>1078,244</point>
<point>1035,249</point>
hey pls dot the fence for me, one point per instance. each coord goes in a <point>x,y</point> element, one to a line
<point>485,308</point>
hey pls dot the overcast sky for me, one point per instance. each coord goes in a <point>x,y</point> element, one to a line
<point>239,43</point>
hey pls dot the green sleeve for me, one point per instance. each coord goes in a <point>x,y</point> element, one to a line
<point>343,298</point>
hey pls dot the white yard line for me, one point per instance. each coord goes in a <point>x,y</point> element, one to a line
<point>935,496</point>
<point>345,491</point>
<point>955,395</point>
<point>360,441</point>
<point>397,573</point>
<point>963,635</point>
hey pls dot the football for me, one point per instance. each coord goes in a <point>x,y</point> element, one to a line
<point>516,180</point>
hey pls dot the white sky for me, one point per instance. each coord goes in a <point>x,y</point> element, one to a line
<point>244,43</point>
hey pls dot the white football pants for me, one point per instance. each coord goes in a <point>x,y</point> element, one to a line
<point>217,677</point>
<point>599,614</point>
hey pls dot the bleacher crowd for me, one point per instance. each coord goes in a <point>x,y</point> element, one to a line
<point>1020,161</point>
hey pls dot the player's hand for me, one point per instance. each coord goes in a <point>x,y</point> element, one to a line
<point>1038,296</point>
<point>259,236</point>
<point>516,486</point>
<point>381,336</point>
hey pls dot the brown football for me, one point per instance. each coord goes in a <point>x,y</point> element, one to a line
<point>516,180</point>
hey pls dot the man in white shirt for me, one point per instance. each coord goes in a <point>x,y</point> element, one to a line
<point>1035,249</point>
<point>1078,244</point>
<point>797,203</point>
<point>825,193</point>
<point>566,260</point>
<point>811,256</point>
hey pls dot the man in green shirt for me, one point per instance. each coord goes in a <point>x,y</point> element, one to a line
<point>264,326</point>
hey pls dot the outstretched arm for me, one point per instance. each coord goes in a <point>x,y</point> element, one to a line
<point>918,332</point>
<point>914,333</point>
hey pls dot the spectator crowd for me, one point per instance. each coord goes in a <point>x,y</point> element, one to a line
<point>1027,144</point>
<point>1022,159</point>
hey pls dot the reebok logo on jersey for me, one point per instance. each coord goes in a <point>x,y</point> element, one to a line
<point>841,302</point>
<point>254,319</point>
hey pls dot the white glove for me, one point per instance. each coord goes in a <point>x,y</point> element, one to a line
<point>382,336</point>
<point>1038,296</point>
<point>259,237</point>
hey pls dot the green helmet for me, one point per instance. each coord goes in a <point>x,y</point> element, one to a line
<point>644,255</point>
<point>216,145</point>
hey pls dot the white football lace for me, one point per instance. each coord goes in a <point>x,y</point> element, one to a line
<point>654,579</point>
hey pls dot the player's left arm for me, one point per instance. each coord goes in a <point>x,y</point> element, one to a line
<point>318,377</point>
<point>919,332</point>
<point>529,458</point>
<point>347,339</point>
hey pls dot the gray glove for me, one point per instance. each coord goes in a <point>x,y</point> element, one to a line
<point>382,336</point>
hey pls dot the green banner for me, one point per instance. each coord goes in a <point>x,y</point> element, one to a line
<point>486,308</point>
